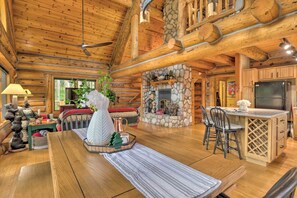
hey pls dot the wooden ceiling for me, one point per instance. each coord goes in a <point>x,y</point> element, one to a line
<point>39,21</point>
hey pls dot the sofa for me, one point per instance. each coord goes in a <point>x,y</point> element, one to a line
<point>5,130</point>
<point>129,113</point>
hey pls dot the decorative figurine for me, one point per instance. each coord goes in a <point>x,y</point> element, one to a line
<point>10,114</point>
<point>17,142</point>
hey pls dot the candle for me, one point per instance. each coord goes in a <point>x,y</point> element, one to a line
<point>38,112</point>
<point>125,137</point>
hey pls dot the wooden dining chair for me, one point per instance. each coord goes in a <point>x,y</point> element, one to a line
<point>75,121</point>
<point>223,126</point>
<point>208,125</point>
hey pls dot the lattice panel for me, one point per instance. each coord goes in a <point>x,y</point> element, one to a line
<point>257,137</point>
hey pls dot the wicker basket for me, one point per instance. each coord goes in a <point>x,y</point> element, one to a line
<point>108,149</point>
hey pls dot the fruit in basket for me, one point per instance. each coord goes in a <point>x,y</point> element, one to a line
<point>116,140</point>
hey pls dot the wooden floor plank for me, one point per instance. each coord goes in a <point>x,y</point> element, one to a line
<point>35,181</point>
<point>254,183</point>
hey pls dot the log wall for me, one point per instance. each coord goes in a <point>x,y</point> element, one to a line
<point>37,73</point>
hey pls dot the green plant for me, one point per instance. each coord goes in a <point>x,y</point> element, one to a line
<point>81,93</point>
<point>104,87</point>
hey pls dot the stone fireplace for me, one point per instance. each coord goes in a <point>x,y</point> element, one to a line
<point>168,104</point>
<point>177,94</point>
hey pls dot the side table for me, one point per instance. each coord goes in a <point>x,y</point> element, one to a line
<point>44,125</point>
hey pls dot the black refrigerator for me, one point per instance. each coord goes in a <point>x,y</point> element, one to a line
<point>273,95</point>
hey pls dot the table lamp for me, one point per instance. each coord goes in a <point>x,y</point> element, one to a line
<point>14,90</point>
<point>28,93</point>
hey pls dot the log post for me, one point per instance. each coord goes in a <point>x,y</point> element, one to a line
<point>134,36</point>
<point>182,18</point>
<point>241,62</point>
<point>265,11</point>
<point>210,33</point>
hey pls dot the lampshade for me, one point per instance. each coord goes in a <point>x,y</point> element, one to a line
<point>14,89</point>
<point>28,92</point>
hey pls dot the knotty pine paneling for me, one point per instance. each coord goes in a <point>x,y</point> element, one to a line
<point>60,20</point>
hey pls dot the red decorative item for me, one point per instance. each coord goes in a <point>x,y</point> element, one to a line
<point>160,112</point>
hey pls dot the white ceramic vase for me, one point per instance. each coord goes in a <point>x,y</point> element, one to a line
<point>243,108</point>
<point>100,128</point>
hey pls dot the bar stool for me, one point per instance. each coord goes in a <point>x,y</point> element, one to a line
<point>208,124</point>
<point>222,125</point>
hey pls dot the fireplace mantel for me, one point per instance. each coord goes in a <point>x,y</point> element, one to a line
<point>156,83</point>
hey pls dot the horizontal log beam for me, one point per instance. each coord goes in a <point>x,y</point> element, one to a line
<point>239,21</point>
<point>221,59</point>
<point>210,33</point>
<point>285,60</point>
<point>127,3</point>
<point>265,11</point>
<point>58,69</point>
<point>160,51</point>
<point>254,53</point>
<point>221,70</point>
<point>231,24</point>
<point>199,64</point>
<point>285,27</point>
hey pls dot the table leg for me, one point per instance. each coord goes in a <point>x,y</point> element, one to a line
<point>30,137</point>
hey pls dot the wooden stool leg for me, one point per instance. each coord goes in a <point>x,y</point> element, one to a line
<point>225,144</point>
<point>205,135</point>
<point>237,144</point>
<point>217,141</point>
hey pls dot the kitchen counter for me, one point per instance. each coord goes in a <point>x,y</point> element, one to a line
<point>254,112</point>
<point>264,134</point>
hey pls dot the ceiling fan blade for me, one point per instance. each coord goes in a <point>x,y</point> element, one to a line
<point>86,51</point>
<point>96,45</point>
<point>61,42</point>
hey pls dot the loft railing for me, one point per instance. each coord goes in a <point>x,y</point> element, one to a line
<point>204,11</point>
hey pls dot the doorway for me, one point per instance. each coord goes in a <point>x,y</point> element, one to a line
<point>197,102</point>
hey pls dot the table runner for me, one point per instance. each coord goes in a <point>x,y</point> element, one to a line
<point>156,175</point>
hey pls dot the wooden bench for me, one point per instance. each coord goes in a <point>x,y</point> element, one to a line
<point>35,181</point>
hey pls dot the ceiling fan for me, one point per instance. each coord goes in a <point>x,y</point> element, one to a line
<point>83,46</point>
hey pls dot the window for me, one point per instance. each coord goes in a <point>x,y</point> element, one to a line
<point>60,86</point>
<point>3,84</point>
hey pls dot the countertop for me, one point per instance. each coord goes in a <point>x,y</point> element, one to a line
<point>253,112</point>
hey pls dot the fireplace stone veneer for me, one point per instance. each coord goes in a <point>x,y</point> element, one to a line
<point>181,94</point>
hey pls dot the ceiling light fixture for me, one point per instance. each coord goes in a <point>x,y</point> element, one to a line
<point>286,45</point>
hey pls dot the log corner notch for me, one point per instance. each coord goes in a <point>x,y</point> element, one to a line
<point>266,11</point>
<point>175,45</point>
<point>210,33</point>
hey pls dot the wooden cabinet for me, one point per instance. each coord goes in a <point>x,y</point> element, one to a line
<point>277,73</point>
<point>265,138</point>
<point>248,94</point>
<point>249,77</point>
<point>268,73</point>
<point>285,72</point>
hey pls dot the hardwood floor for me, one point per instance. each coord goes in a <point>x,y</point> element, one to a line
<point>255,183</point>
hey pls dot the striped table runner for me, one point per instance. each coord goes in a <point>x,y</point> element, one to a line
<point>156,175</point>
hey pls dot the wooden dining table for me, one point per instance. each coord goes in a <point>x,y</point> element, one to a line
<point>79,173</point>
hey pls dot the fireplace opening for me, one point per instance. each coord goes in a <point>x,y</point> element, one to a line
<point>164,97</point>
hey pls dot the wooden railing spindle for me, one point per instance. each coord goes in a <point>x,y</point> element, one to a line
<point>199,12</point>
